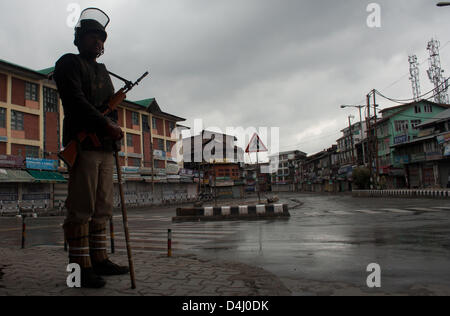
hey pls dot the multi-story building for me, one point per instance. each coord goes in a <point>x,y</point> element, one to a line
<point>217,161</point>
<point>251,173</point>
<point>319,172</point>
<point>399,125</point>
<point>347,144</point>
<point>427,157</point>
<point>286,178</point>
<point>31,120</point>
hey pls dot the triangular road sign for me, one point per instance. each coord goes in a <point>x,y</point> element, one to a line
<point>256,145</point>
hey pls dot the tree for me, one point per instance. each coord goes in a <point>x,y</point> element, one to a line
<point>361,178</point>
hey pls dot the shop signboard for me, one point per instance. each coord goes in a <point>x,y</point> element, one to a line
<point>401,160</point>
<point>441,139</point>
<point>433,156</point>
<point>159,154</point>
<point>400,139</point>
<point>8,161</point>
<point>186,172</point>
<point>173,169</point>
<point>130,169</point>
<point>418,157</point>
<point>41,164</point>
<point>447,150</point>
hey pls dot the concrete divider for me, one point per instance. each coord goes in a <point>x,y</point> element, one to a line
<point>243,212</point>
<point>405,193</point>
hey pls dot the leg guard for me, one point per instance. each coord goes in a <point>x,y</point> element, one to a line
<point>98,242</point>
<point>77,236</point>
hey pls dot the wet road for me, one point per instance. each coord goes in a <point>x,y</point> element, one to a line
<point>327,243</point>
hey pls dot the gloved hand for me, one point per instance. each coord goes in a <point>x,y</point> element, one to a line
<point>113,130</point>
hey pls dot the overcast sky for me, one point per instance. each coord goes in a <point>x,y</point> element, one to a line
<point>252,63</point>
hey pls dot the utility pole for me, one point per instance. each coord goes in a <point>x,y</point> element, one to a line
<point>351,136</point>
<point>369,141</point>
<point>376,137</point>
<point>362,135</point>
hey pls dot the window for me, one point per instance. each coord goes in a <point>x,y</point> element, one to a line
<point>160,144</point>
<point>171,126</point>
<point>415,123</point>
<point>154,125</point>
<point>428,109</point>
<point>2,118</point>
<point>135,118</point>
<point>50,100</point>
<point>418,109</point>
<point>401,126</point>
<point>129,140</point>
<point>31,91</point>
<point>17,121</point>
<point>145,125</point>
<point>169,145</point>
<point>32,152</point>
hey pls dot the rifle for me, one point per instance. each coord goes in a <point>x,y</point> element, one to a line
<point>69,153</point>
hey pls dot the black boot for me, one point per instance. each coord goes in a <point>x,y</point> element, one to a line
<point>109,268</point>
<point>91,280</point>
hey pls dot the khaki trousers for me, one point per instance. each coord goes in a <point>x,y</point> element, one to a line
<point>91,189</point>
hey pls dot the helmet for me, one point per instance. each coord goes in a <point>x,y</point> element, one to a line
<point>91,20</point>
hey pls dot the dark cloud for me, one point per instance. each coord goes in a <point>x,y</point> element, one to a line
<point>287,63</point>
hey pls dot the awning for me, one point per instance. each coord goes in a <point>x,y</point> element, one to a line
<point>47,176</point>
<point>14,176</point>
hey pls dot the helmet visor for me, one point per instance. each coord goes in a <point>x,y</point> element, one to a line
<point>94,14</point>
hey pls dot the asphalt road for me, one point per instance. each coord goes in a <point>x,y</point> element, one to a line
<point>324,248</point>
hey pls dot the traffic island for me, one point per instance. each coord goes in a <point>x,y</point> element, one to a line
<point>233,213</point>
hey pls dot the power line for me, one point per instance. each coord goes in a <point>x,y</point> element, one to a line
<point>406,101</point>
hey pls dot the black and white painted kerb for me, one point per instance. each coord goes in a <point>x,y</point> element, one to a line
<point>233,212</point>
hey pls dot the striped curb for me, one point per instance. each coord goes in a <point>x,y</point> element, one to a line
<point>232,212</point>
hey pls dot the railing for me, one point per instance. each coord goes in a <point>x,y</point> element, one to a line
<point>405,193</point>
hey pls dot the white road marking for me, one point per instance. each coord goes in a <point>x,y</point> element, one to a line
<point>396,210</point>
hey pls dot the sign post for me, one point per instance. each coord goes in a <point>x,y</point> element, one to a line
<point>256,146</point>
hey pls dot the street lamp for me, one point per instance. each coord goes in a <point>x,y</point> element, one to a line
<point>443,4</point>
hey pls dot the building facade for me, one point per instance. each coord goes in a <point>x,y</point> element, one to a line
<point>286,178</point>
<point>427,157</point>
<point>31,120</point>
<point>399,125</point>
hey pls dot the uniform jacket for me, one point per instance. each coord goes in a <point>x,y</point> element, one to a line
<point>85,88</point>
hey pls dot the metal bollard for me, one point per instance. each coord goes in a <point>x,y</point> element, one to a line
<point>169,243</point>
<point>111,230</point>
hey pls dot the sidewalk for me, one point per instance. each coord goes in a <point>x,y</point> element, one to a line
<point>42,271</point>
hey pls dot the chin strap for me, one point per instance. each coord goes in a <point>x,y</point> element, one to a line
<point>99,55</point>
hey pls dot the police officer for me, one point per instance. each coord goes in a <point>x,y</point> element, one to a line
<point>85,88</point>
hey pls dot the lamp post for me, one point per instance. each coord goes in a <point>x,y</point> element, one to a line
<point>443,4</point>
<point>360,107</point>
